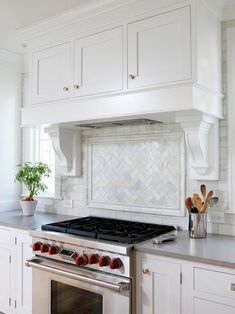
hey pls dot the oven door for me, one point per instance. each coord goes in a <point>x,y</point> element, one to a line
<point>59,288</point>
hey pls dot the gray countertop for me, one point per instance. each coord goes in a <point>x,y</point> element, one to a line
<point>215,249</point>
<point>15,219</point>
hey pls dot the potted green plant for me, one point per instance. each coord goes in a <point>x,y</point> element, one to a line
<point>31,175</point>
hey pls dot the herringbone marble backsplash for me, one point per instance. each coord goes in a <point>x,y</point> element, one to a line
<point>141,173</point>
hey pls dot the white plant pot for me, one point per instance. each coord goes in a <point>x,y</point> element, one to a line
<point>28,207</point>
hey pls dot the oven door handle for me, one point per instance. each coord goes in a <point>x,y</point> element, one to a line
<point>38,264</point>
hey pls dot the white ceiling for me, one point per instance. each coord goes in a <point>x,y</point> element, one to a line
<point>15,14</point>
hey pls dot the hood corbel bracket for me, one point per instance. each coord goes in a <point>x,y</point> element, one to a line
<point>68,149</point>
<point>202,140</point>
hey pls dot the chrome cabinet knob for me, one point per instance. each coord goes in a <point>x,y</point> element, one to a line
<point>145,271</point>
<point>76,86</point>
<point>132,77</point>
<point>65,89</point>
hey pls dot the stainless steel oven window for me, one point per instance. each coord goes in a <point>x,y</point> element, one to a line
<point>73,300</point>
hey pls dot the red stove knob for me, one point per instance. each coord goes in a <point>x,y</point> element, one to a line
<point>53,250</point>
<point>36,246</point>
<point>81,260</point>
<point>103,261</point>
<point>115,263</point>
<point>93,259</point>
<point>44,248</point>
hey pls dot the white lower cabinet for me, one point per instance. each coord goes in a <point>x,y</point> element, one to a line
<point>23,275</point>
<point>158,286</point>
<point>5,275</point>
<point>15,277</point>
<point>173,286</point>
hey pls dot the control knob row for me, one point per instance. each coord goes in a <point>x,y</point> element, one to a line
<point>45,248</point>
<point>103,261</point>
<point>82,259</point>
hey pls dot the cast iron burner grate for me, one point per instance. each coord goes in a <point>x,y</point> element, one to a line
<point>115,230</point>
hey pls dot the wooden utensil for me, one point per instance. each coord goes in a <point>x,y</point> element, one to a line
<point>197,201</point>
<point>205,206</point>
<point>203,191</point>
<point>209,196</point>
<point>189,204</point>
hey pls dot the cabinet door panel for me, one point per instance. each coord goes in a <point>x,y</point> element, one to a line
<point>23,275</point>
<point>160,287</point>
<point>98,63</point>
<point>204,306</point>
<point>5,276</point>
<point>51,74</point>
<point>159,49</point>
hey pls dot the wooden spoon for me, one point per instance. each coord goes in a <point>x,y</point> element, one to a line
<point>209,196</point>
<point>203,191</point>
<point>197,201</point>
<point>189,204</point>
<point>206,204</point>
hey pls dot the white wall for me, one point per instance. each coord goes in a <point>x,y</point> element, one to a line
<point>10,134</point>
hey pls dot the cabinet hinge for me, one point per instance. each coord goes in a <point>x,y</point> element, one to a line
<point>15,240</point>
<point>9,301</point>
<point>9,259</point>
<point>181,278</point>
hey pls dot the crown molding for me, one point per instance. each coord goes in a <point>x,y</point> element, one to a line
<point>11,60</point>
<point>216,6</point>
<point>229,12</point>
<point>69,17</point>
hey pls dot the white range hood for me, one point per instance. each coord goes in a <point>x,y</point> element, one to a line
<point>184,88</point>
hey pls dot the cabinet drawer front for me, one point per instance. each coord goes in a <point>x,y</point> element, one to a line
<point>5,237</point>
<point>159,49</point>
<point>213,282</point>
<point>205,306</point>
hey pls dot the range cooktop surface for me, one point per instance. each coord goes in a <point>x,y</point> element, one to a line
<point>121,231</point>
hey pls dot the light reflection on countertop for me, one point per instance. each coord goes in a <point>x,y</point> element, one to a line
<point>215,249</point>
<point>16,219</point>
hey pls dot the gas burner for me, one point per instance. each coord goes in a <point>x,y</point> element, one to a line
<point>120,231</point>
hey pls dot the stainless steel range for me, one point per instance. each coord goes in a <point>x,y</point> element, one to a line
<point>86,265</point>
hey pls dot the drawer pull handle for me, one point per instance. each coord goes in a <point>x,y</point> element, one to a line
<point>232,287</point>
<point>65,89</point>
<point>145,271</point>
<point>76,86</point>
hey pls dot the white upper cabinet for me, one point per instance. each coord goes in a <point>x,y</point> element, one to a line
<point>134,59</point>
<point>98,63</point>
<point>159,49</point>
<point>51,74</point>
